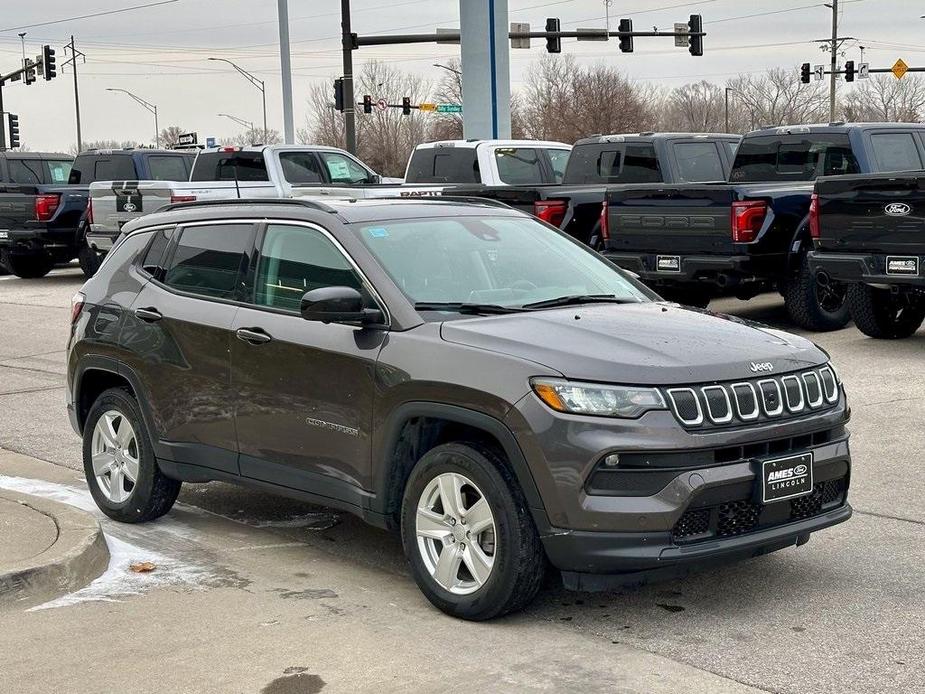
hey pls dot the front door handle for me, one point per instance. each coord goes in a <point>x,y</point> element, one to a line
<point>148,315</point>
<point>252,336</point>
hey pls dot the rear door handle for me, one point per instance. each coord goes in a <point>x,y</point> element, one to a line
<point>148,315</point>
<point>252,336</point>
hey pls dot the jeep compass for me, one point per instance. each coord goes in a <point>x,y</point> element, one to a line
<point>459,371</point>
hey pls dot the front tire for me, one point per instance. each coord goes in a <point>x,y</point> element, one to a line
<point>815,306</point>
<point>880,314</point>
<point>89,260</point>
<point>468,535</point>
<point>119,462</point>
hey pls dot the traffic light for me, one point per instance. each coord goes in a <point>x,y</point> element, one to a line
<point>406,105</point>
<point>13,129</point>
<point>29,75</point>
<point>849,71</point>
<point>695,26</point>
<point>49,66</point>
<point>626,42</point>
<point>367,104</point>
<point>339,94</point>
<point>553,43</point>
<point>805,71</point>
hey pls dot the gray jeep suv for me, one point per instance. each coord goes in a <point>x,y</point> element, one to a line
<point>457,370</point>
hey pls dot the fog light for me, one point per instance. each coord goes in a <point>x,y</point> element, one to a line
<point>612,460</point>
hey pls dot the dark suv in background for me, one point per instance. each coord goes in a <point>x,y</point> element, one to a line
<point>459,371</point>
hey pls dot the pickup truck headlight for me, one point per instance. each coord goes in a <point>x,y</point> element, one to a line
<point>597,398</point>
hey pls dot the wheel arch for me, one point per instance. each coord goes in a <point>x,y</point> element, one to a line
<point>800,242</point>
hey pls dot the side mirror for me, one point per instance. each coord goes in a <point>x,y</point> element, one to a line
<point>339,305</point>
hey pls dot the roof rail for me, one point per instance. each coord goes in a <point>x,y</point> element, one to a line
<point>465,198</point>
<point>311,204</point>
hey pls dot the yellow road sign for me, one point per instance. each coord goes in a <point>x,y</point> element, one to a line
<point>899,68</point>
<point>427,107</point>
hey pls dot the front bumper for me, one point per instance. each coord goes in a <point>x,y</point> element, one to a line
<point>863,267</point>
<point>691,268</point>
<point>36,238</point>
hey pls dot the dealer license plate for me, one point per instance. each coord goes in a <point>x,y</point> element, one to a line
<point>786,478</point>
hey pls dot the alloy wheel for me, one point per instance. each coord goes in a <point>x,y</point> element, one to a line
<point>115,456</point>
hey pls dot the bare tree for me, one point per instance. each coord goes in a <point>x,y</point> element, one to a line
<point>697,107</point>
<point>565,101</point>
<point>777,97</point>
<point>170,136</point>
<point>885,98</point>
<point>254,136</point>
<point>105,144</point>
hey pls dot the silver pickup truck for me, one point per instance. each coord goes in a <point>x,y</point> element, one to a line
<point>294,171</point>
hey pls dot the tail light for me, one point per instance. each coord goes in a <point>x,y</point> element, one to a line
<point>814,217</point>
<point>182,198</point>
<point>90,211</point>
<point>604,223</point>
<point>77,304</point>
<point>551,211</point>
<point>45,206</point>
<point>747,219</point>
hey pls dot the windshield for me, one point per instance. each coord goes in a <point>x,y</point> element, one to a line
<point>503,261</point>
<point>793,158</point>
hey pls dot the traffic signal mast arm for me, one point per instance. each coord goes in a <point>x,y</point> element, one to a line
<point>855,71</point>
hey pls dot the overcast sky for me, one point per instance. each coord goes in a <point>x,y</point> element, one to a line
<point>160,52</point>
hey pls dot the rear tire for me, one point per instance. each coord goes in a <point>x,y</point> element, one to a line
<point>89,260</point>
<point>517,561</point>
<point>813,306</point>
<point>117,448</point>
<point>879,313</point>
<point>27,266</point>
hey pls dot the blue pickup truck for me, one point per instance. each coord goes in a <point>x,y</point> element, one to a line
<point>692,242</point>
<point>43,202</point>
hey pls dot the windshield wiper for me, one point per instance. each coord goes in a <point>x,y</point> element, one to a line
<point>465,308</point>
<point>575,299</point>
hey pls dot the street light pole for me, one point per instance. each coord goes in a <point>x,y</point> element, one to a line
<point>260,84</point>
<point>285,62</point>
<point>148,105</point>
<point>240,121</point>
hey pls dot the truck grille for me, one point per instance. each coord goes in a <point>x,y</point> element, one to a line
<point>756,400</point>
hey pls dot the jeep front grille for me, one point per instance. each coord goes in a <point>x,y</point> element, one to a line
<point>760,399</point>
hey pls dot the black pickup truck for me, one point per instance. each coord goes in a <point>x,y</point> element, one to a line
<point>869,233</point>
<point>602,163</point>
<point>43,202</point>
<point>693,242</point>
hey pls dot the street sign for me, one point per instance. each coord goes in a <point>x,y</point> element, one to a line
<point>427,107</point>
<point>899,69</point>
<point>188,139</point>
<point>593,35</point>
<point>520,28</point>
<point>819,72</point>
<point>681,41</point>
<point>863,71</point>
<point>210,142</point>
<point>449,108</point>
<point>382,104</point>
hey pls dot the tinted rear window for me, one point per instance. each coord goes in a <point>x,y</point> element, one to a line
<point>614,162</point>
<point>116,167</point>
<point>209,259</point>
<point>25,171</point>
<point>443,165</point>
<point>793,157</point>
<point>895,152</point>
<point>698,162</point>
<point>166,167</point>
<point>227,166</point>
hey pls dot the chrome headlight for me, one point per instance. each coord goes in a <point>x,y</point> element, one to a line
<point>597,398</point>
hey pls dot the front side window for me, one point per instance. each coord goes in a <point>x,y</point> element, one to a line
<point>793,158</point>
<point>168,168</point>
<point>209,259</point>
<point>698,162</point>
<point>343,169</point>
<point>294,260</point>
<point>507,261</point>
<point>25,171</point>
<point>301,167</point>
<point>519,165</point>
<point>895,152</point>
<point>558,159</point>
<point>230,166</point>
<point>59,170</point>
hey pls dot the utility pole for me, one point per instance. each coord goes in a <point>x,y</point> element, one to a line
<point>285,61</point>
<point>728,89</point>
<point>350,123</point>
<point>73,63</point>
<point>834,62</point>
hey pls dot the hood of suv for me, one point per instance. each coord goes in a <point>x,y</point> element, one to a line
<point>645,344</point>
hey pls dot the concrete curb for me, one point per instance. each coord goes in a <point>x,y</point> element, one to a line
<point>77,556</point>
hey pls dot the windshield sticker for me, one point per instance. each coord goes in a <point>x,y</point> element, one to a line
<point>338,169</point>
<point>378,232</point>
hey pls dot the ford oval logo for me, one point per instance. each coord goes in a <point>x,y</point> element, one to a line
<point>129,207</point>
<point>897,209</point>
<point>799,470</point>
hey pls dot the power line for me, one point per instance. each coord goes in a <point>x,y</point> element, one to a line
<point>88,16</point>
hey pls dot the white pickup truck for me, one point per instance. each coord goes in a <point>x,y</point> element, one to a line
<point>292,171</point>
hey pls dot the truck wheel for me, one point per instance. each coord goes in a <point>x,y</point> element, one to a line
<point>881,314</point>
<point>119,463</point>
<point>89,260</point>
<point>468,534</point>
<point>815,306</point>
<point>28,266</point>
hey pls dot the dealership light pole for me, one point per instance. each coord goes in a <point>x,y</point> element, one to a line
<point>285,62</point>
<point>240,121</point>
<point>148,105</point>
<point>260,84</point>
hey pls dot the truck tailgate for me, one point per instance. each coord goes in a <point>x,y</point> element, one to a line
<point>872,213</point>
<point>682,219</point>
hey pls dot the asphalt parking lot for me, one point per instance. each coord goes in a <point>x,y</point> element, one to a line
<point>313,595</point>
